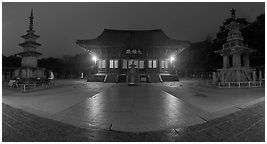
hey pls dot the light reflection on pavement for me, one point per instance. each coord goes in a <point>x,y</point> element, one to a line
<point>142,108</point>
<point>120,107</point>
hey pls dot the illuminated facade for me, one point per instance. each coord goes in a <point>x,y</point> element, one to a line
<point>151,51</point>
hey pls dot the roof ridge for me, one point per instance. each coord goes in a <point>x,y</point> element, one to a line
<point>127,30</point>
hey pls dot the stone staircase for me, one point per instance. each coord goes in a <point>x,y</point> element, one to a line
<point>169,77</point>
<point>154,78</point>
<point>111,78</point>
<point>96,78</point>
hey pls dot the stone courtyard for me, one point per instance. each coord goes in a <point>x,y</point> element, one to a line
<point>147,108</point>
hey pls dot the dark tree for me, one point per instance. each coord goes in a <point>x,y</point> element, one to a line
<point>254,35</point>
<point>67,66</point>
<point>12,61</point>
<point>200,56</point>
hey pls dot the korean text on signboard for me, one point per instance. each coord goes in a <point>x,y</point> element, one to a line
<point>134,51</point>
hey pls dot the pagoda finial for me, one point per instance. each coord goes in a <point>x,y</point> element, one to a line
<point>31,21</point>
<point>233,13</point>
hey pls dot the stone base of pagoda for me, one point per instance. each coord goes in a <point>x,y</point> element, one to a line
<point>29,75</point>
<point>96,78</point>
<point>241,74</point>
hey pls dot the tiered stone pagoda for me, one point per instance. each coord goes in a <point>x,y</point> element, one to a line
<point>235,55</point>
<point>29,70</point>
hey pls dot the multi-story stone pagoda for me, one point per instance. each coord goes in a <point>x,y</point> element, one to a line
<point>29,65</point>
<point>235,55</point>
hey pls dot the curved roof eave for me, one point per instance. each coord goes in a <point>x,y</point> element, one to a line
<point>124,38</point>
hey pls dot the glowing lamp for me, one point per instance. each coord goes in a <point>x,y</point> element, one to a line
<point>171,59</point>
<point>94,58</point>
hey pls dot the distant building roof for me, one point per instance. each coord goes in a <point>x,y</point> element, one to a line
<point>132,38</point>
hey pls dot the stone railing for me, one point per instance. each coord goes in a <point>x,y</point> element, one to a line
<point>250,84</point>
<point>26,87</point>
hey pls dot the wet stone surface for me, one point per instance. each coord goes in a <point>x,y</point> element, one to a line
<point>245,125</point>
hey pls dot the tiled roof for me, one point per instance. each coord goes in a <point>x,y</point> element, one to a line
<point>132,38</point>
<point>28,35</point>
<point>29,53</point>
<point>29,43</point>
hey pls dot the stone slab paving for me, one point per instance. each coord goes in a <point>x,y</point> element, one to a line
<point>148,107</point>
<point>208,99</point>
<point>131,109</point>
<point>54,100</point>
<point>248,125</point>
<point>159,115</point>
<point>215,102</point>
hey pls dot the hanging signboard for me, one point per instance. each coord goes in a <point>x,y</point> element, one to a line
<point>134,51</point>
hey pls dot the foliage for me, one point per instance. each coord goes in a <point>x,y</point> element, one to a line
<point>254,35</point>
<point>12,61</point>
<point>200,56</point>
<point>65,67</point>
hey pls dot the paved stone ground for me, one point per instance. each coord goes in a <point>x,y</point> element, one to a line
<point>245,125</point>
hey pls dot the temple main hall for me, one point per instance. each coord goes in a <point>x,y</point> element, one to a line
<point>151,52</point>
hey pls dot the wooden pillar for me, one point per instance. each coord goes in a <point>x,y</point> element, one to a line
<point>159,65</point>
<point>106,64</point>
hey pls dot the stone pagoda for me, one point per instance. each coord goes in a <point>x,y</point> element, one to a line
<point>29,71</point>
<point>235,55</point>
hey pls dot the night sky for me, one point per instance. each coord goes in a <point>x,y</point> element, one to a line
<point>59,25</point>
